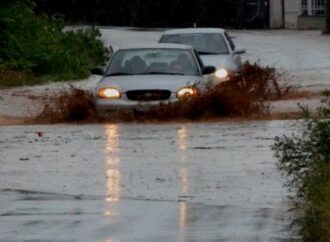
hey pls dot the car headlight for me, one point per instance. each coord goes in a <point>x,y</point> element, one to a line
<point>187,92</point>
<point>221,73</point>
<point>109,93</point>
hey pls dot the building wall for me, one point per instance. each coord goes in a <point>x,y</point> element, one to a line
<point>292,11</point>
<point>293,18</point>
<point>276,14</point>
<point>311,22</point>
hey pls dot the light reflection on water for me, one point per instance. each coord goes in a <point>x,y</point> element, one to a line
<point>182,136</point>
<point>113,175</point>
<point>184,182</point>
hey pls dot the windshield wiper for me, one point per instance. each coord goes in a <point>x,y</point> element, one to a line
<point>210,53</point>
<point>144,73</point>
<point>161,73</point>
<point>206,53</point>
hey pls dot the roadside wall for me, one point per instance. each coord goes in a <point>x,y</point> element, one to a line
<point>276,14</point>
<point>311,22</point>
<point>292,11</point>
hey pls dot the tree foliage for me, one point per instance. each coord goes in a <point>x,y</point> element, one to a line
<point>305,159</point>
<point>145,13</point>
<point>37,44</point>
<point>327,18</point>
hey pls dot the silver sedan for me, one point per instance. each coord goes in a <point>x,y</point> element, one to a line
<point>214,46</point>
<point>140,77</point>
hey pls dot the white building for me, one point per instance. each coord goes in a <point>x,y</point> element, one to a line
<point>297,14</point>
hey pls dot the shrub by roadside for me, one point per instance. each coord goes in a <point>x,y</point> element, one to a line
<point>37,46</point>
<point>305,159</point>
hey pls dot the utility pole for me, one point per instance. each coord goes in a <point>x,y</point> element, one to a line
<point>327,18</point>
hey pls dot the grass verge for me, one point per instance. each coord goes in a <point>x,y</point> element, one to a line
<point>12,78</point>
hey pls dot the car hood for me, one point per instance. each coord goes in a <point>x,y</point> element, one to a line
<point>145,82</point>
<point>219,61</point>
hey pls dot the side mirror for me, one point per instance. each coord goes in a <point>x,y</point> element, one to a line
<point>208,70</point>
<point>97,71</point>
<point>239,52</point>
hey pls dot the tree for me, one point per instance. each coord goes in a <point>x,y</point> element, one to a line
<point>327,18</point>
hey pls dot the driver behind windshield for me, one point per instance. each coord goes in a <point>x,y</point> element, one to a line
<point>182,64</point>
<point>136,65</point>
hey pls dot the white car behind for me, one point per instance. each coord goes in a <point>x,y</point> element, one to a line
<point>214,46</point>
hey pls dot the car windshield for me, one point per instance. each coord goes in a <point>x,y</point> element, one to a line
<point>204,43</point>
<point>153,62</point>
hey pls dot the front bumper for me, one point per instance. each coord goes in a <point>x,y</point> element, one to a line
<point>106,107</point>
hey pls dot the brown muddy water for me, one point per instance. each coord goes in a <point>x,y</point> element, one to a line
<point>245,95</point>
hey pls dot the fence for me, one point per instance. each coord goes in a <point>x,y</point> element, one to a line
<point>313,7</point>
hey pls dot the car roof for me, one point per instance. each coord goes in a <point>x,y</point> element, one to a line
<point>157,46</point>
<point>194,31</point>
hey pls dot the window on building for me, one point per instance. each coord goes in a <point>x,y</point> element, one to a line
<point>313,7</point>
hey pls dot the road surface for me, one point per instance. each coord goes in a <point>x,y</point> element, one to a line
<point>153,182</point>
<point>142,182</point>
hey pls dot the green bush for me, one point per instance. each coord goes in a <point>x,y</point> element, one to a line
<point>38,45</point>
<point>305,159</point>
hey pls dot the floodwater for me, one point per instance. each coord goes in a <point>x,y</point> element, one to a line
<point>154,182</point>
<point>143,182</point>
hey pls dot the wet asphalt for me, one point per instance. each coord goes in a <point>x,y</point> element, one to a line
<point>143,182</point>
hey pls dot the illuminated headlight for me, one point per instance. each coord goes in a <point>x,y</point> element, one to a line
<point>221,73</point>
<point>187,92</point>
<point>109,93</point>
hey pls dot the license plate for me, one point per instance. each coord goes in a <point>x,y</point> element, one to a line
<point>142,108</point>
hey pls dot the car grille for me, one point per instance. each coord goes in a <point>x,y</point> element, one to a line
<point>148,95</point>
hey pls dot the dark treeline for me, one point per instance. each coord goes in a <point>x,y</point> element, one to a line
<point>144,13</point>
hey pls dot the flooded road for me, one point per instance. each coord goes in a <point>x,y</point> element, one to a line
<point>142,182</point>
